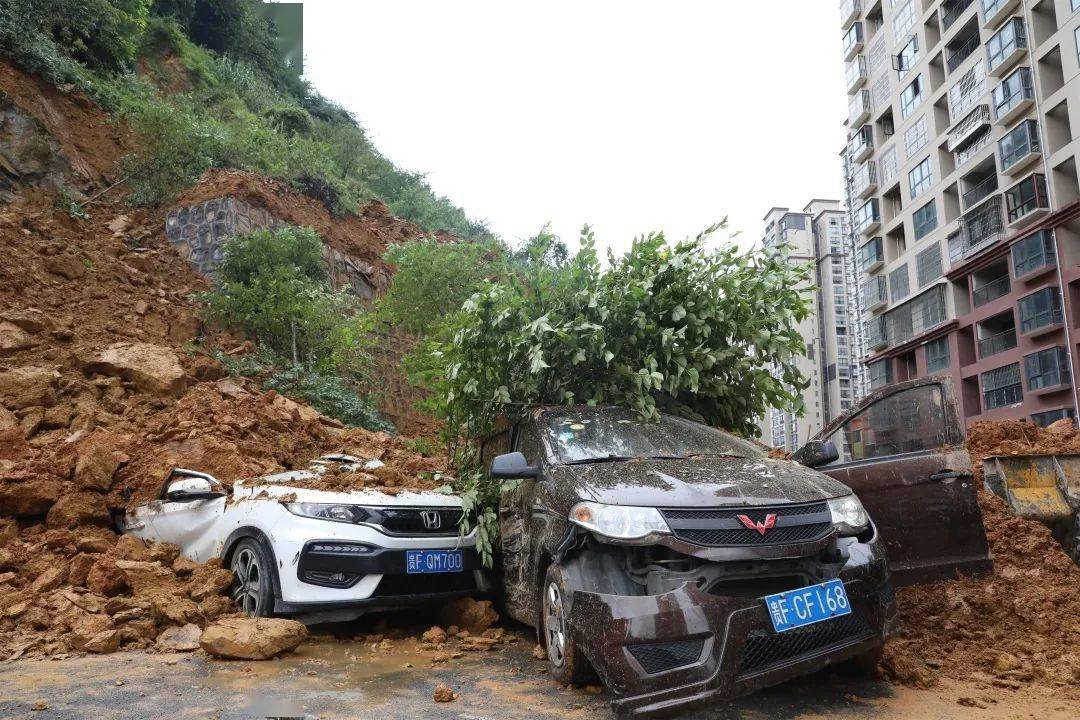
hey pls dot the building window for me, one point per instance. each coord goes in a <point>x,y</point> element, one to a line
<point>1043,419</point>
<point>908,57</point>
<point>915,137</point>
<point>1005,41</point>
<point>888,165</point>
<point>903,20</point>
<point>880,373</point>
<point>1033,253</point>
<point>1001,387</point>
<point>920,178</point>
<point>877,54</point>
<point>1047,368</point>
<point>1012,91</point>
<point>1040,309</point>
<point>924,219</point>
<point>967,91</point>
<point>1018,143</point>
<point>928,265</point>
<point>1025,197</point>
<point>898,283</point>
<point>911,97</point>
<point>937,355</point>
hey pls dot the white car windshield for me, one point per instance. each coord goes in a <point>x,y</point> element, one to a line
<point>616,434</point>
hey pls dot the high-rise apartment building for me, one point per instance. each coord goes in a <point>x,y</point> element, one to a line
<point>819,236</point>
<point>961,169</point>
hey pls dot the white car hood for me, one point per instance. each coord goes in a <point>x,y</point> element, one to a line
<point>291,485</point>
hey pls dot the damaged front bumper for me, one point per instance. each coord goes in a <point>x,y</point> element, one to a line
<point>661,652</point>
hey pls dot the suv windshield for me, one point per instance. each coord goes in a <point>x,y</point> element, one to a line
<point>599,435</point>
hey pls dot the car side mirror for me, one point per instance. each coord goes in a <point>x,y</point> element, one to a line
<point>816,453</point>
<point>190,488</point>
<point>512,466</point>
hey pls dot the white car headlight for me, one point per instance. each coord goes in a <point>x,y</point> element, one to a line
<point>327,511</point>
<point>619,521</point>
<point>848,515</point>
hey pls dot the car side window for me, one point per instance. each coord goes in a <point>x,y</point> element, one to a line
<point>528,444</point>
<point>905,422</point>
<point>497,444</point>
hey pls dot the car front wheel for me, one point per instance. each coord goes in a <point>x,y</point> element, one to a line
<point>567,665</point>
<point>252,590</point>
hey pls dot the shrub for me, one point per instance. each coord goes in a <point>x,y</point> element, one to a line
<point>332,395</point>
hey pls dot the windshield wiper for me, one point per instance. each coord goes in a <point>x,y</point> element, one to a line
<point>601,459</point>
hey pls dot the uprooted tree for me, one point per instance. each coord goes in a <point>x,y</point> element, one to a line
<point>705,334</point>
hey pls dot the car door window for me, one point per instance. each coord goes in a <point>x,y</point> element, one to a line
<point>529,445</point>
<point>908,421</point>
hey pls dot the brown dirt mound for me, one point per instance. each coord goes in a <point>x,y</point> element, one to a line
<point>365,236</point>
<point>1021,625</point>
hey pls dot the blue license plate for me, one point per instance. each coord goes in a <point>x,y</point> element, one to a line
<point>433,561</point>
<point>807,605</point>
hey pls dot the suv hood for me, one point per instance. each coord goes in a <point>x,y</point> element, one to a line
<point>290,486</point>
<point>699,482</point>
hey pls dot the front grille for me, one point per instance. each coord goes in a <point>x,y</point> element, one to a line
<point>776,536</point>
<point>658,657</point>
<point>765,648</point>
<point>723,526</point>
<point>410,521</point>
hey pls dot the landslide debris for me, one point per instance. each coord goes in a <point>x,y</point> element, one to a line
<point>1021,625</point>
<point>252,638</point>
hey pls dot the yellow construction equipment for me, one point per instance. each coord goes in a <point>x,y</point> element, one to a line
<point>1041,487</point>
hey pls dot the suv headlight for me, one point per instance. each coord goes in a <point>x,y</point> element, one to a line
<point>848,515</point>
<point>619,521</point>
<point>328,511</point>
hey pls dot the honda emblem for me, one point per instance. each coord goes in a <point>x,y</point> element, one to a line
<point>761,527</point>
<point>432,519</point>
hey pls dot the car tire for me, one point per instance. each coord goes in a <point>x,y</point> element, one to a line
<point>567,665</point>
<point>252,589</point>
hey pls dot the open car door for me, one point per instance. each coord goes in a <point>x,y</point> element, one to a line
<point>902,452</point>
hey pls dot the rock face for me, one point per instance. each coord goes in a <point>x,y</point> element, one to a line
<point>151,368</point>
<point>28,387</point>
<point>473,615</point>
<point>252,638</point>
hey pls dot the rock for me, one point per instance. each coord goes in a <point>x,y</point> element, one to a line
<point>8,420</point>
<point>58,416</point>
<point>75,509</point>
<point>1063,427</point>
<point>13,339</point>
<point>145,576</point>
<point>107,641</point>
<point>1005,662</point>
<point>97,463</point>
<point>208,581</point>
<point>206,369</point>
<point>252,638</point>
<point>469,614</point>
<point>179,639</point>
<point>183,566</point>
<point>49,580</point>
<point>66,266</point>
<point>435,635</point>
<point>80,568</point>
<point>28,386</point>
<point>32,497</point>
<point>30,420</point>
<point>13,444</point>
<point>151,368</point>
<point>119,224</point>
<point>91,544</point>
<point>174,610</point>
<point>130,547</point>
<point>163,552</point>
<point>9,530</point>
<point>106,578</point>
<point>30,320</point>
<point>539,652</point>
<point>443,694</point>
<point>215,606</point>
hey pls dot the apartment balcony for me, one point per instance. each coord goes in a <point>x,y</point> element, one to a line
<point>859,108</point>
<point>917,316</point>
<point>963,132</point>
<point>1019,148</point>
<point>1034,255</point>
<point>874,293</point>
<point>876,337</point>
<point>960,50</point>
<point>1040,312</point>
<point>871,255</point>
<point>1006,47</point>
<point>1014,96</point>
<point>1027,201</point>
<point>980,190</point>
<point>994,11</point>
<point>867,218</point>
<point>861,144</point>
<point>849,11</point>
<point>979,229</point>
<point>991,290</point>
<point>951,11</point>
<point>864,181</point>
<point>855,73</point>
<point>853,41</point>
<point>997,343</point>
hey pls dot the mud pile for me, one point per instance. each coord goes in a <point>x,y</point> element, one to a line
<point>1019,626</point>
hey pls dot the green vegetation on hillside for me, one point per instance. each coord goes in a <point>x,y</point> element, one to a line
<point>202,86</point>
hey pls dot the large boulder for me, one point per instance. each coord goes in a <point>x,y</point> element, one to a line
<point>179,639</point>
<point>252,638</point>
<point>97,463</point>
<point>468,614</point>
<point>150,368</point>
<point>28,498</point>
<point>76,509</point>
<point>105,578</point>
<point>28,386</point>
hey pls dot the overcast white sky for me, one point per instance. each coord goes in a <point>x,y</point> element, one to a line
<point>628,115</point>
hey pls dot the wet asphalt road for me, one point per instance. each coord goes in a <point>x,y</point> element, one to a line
<point>333,679</point>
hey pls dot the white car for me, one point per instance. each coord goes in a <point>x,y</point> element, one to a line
<point>322,556</point>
